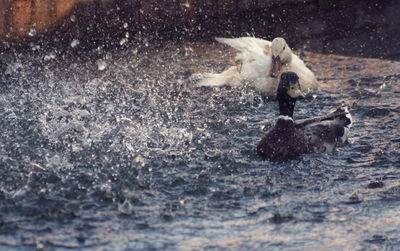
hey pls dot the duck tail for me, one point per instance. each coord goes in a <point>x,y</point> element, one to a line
<point>228,77</point>
<point>344,116</point>
<point>345,121</point>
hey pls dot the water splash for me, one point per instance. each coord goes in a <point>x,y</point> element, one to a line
<point>129,150</point>
<point>75,43</point>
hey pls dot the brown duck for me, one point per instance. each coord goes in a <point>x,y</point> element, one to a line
<point>289,138</point>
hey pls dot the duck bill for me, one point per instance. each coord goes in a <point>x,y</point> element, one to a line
<point>299,94</point>
<point>275,67</point>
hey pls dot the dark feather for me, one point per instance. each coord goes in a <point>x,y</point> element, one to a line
<point>282,141</point>
<point>289,139</point>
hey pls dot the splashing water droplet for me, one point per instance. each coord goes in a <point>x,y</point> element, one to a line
<point>101,65</point>
<point>125,208</point>
<point>74,43</point>
<point>129,147</point>
<point>50,56</point>
<point>186,4</point>
<point>32,32</point>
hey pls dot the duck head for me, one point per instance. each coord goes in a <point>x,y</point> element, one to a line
<point>288,92</point>
<point>281,54</point>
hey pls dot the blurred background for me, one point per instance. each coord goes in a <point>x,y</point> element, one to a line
<point>348,27</point>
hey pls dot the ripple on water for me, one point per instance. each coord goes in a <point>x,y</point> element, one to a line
<point>135,151</point>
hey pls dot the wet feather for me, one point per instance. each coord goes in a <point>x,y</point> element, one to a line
<point>289,139</point>
<point>259,63</point>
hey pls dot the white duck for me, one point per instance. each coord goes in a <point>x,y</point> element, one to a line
<point>260,63</point>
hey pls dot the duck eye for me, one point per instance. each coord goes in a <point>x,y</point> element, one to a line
<point>284,47</point>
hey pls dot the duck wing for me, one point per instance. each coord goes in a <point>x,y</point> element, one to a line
<point>304,122</point>
<point>253,51</point>
<point>254,59</point>
<point>282,142</point>
<point>324,133</point>
<point>247,44</point>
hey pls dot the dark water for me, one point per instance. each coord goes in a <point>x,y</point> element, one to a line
<point>118,149</point>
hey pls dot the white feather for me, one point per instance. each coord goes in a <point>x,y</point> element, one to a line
<point>347,127</point>
<point>285,117</point>
<point>254,69</point>
<point>255,57</point>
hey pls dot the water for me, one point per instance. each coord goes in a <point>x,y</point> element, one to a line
<point>133,155</point>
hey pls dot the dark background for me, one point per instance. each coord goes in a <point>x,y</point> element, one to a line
<point>355,28</point>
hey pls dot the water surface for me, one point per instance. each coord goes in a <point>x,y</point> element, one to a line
<point>118,149</point>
